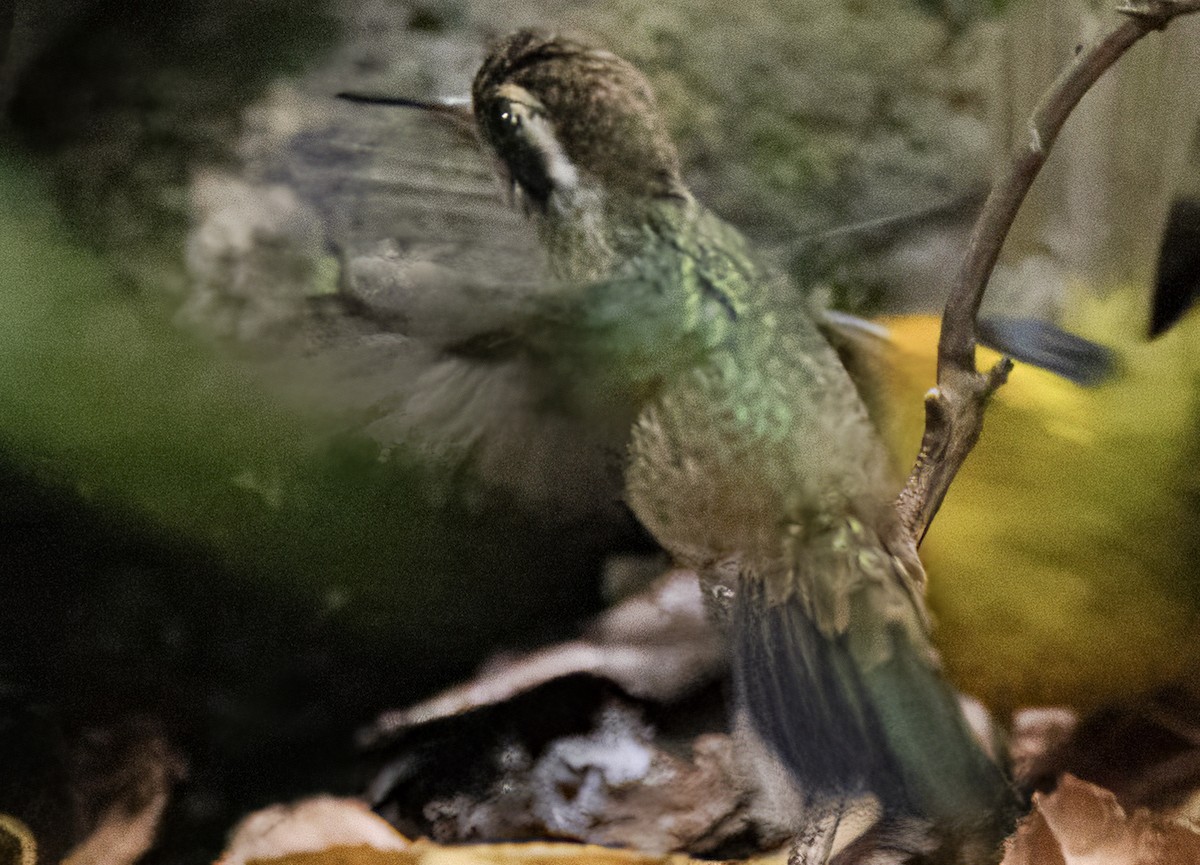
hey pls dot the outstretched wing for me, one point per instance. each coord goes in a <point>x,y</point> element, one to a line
<point>367,258</point>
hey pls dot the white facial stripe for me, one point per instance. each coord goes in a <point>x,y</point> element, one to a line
<point>526,107</point>
<point>559,167</point>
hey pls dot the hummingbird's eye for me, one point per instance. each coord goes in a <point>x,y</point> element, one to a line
<point>517,115</point>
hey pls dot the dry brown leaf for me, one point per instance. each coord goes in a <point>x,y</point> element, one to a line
<point>329,831</point>
<point>128,825</point>
<point>540,853</point>
<point>534,853</point>
<point>321,825</point>
<point>17,844</point>
<point>1033,844</point>
<point>657,645</point>
<point>358,854</point>
<point>1082,824</point>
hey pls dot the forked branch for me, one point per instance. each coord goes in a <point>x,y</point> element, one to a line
<point>954,408</point>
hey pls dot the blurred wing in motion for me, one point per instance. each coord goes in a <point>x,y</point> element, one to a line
<point>391,221</point>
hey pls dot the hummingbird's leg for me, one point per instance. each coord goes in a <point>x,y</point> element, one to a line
<point>814,844</point>
<point>885,841</point>
<point>895,841</point>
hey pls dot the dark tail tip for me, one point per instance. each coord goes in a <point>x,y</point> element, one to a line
<point>1177,282</point>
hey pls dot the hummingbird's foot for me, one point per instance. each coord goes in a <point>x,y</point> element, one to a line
<point>894,841</point>
<point>814,845</point>
<point>852,827</point>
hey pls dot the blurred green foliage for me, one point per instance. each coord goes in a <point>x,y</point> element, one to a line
<point>178,543</point>
<point>106,397</point>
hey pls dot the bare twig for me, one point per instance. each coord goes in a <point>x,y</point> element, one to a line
<point>954,409</point>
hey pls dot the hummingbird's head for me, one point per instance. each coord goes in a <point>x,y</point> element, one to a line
<point>564,117</point>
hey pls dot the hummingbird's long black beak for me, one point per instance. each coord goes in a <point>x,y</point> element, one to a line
<point>456,111</point>
<point>404,101</point>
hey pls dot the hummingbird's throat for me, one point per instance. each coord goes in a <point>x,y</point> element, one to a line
<point>576,230</point>
<point>588,229</point>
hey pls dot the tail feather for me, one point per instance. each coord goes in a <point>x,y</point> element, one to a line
<point>806,700</point>
<point>845,723</point>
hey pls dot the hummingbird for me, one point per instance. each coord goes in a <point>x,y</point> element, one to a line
<point>750,456</point>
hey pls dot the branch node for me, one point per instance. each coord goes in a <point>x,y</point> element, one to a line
<point>1035,140</point>
<point>998,374</point>
<point>937,413</point>
<point>1154,14</point>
